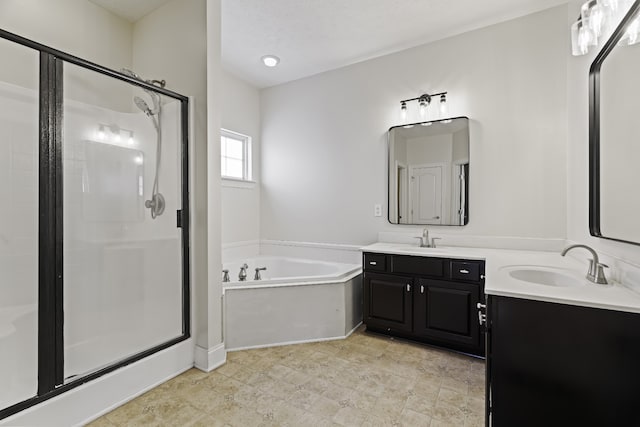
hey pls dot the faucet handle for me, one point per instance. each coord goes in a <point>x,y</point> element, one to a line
<point>433,241</point>
<point>596,271</point>
<point>421,240</point>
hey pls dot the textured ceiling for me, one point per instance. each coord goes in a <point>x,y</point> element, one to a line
<point>312,36</point>
<point>131,10</point>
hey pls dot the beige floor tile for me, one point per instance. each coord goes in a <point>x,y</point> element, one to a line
<point>447,413</point>
<point>366,379</point>
<point>414,419</point>
<point>420,404</point>
<point>324,407</point>
<point>349,416</point>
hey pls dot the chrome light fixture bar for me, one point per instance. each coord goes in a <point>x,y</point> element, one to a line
<point>597,21</point>
<point>424,101</point>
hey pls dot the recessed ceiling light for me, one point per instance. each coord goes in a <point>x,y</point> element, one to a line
<point>270,60</point>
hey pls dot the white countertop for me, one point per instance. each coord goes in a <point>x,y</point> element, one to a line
<point>498,262</point>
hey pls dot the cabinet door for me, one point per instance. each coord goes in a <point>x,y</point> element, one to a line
<point>387,302</point>
<point>447,312</point>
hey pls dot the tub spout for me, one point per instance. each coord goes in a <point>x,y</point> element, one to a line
<point>242,276</point>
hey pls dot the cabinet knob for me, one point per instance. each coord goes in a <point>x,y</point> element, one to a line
<point>421,289</point>
<point>408,287</point>
<point>373,263</point>
<point>464,271</point>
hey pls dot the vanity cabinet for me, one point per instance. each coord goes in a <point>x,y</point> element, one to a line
<point>428,299</point>
<point>551,364</point>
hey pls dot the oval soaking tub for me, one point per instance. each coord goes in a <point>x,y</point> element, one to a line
<point>296,301</point>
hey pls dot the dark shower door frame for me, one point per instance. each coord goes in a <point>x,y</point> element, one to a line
<point>50,225</point>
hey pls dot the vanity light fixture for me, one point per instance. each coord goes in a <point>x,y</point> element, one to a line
<point>424,101</point>
<point>444,109</point>
<point>597,21</point>
<point>270,60</point>
<point>403,110</point>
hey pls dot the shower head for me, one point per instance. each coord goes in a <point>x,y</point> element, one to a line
<point>142,105</point>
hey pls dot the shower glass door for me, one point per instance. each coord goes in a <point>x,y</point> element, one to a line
<point>122,247</point>
<point>94,221</point>
<point>18,223</point>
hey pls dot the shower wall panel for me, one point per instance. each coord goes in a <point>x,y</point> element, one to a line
<point>18,228</point>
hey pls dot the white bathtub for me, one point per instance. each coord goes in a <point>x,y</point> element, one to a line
<point>297,300</point>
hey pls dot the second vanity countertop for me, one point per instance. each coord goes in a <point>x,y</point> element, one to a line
<point>498,263</point>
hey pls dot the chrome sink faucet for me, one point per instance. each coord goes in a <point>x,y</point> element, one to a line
<point>424,239</point>
<point>596,269</point>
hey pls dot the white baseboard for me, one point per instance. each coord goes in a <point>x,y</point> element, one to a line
<point>209,359</point>
<point>91,400</point>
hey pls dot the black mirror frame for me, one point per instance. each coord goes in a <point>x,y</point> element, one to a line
<point>594,124</point>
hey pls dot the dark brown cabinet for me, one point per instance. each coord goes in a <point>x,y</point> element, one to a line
<point>389,302</point>
<point>551,364</point>
<point>428,299</point>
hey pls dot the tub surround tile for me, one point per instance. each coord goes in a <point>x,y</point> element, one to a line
<point>365,380</point>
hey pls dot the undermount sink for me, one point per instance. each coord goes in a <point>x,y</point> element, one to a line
<point>547,276</point>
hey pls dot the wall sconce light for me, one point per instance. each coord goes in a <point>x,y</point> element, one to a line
<point>424,101</point>
<point>597,21</point>
<point>403,110</point>
<point>114,134</point>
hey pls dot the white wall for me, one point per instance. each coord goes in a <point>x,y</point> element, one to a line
<point>171,43</point>
<point>324,137</point>
<point>578,168</point>
<point>78,27</point>
<point>241,202</point>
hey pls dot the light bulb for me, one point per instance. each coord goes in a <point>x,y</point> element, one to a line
<point>592,14</point>
<point>423,102</point>
<point>403,111</point>
<point>631,34</point>
<point>117,137</point>
<point>426,124</point>
<point>131,141</point>
<point>101,134</point>
<point>270,60</point>
<point>444,109</point>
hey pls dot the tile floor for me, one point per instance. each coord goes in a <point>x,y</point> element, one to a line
<point>365,380</point>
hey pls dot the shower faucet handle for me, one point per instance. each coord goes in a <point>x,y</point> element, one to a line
<point>257,275</point>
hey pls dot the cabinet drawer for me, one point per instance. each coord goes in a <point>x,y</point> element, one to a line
<point>422,266</point>
<point>467,271</point>
<point>375,262</point>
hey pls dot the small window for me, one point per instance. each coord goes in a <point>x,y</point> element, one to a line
<point>235,155</point>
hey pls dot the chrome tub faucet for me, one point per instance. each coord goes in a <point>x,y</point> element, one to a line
<point>242,276</point>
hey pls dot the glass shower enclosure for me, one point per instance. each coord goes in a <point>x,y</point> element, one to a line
<point>94,242</point>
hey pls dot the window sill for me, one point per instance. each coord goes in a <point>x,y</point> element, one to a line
<point>238,183</point>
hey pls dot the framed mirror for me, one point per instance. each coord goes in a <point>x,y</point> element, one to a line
<point>428,172</point>
<point>614,135</point>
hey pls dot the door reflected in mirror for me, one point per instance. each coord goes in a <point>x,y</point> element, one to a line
<point>429,173</point>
